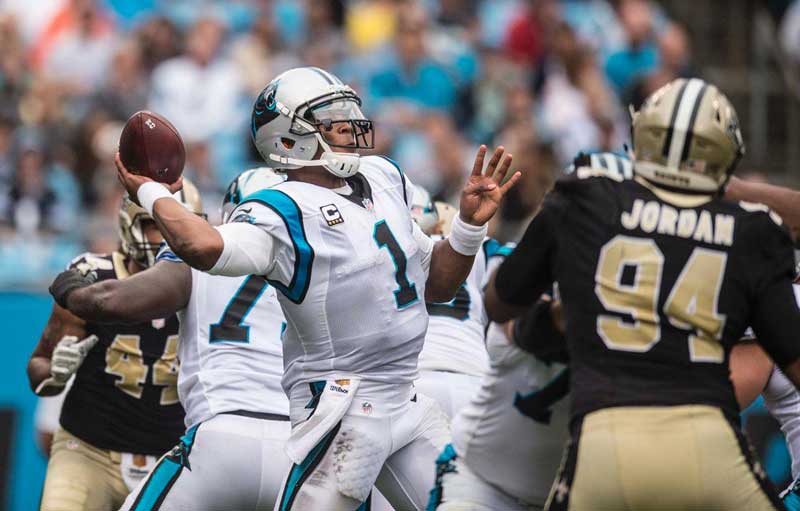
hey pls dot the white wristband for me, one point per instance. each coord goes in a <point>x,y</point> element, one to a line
<point>466,239</point>
<point>149,193</point>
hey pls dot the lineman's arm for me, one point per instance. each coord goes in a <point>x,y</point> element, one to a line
<point>60,323</point>
<point>750,369</point>
<point>527,272</point>
<point>775,318</point>
<point>155,293</point>
<point>784,201</point>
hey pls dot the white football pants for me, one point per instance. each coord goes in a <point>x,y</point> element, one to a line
<point>451,390</point>
<point>228,462</point>
<point>389,438</point>
<point>459,489</point>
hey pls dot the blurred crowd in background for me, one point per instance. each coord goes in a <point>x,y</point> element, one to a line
<point>546,78</point>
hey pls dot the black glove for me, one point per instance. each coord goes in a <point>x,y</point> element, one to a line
<point>68,281</point>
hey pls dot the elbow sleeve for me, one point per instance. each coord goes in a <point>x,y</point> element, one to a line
<point>246,250</point>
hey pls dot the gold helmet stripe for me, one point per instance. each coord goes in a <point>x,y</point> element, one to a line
<point>686,103</point>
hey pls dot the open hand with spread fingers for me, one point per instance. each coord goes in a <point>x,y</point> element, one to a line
<point>132,181</point>
<point>483,191</point>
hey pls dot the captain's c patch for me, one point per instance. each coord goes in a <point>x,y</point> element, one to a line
<point>331,214</point>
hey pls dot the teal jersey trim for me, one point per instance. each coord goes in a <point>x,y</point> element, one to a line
<point>402,175</point>
<point>792,502</point>
<point>300,472</point>
<point>492,248</point>
<point>367,504</point>
<point>165,474</point>
<point>444,464</point>
<point>286,208</point>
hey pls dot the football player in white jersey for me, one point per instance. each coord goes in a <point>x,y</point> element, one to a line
<point>454,357</point>
<point>507,440</point>
<point>229,381</point>
<point>353,270</point>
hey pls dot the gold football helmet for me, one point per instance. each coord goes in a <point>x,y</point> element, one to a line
<point>133,242</point>
<point>686,136</point>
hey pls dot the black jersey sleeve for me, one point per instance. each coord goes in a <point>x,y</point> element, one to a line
<point>536,333</point>
<point>776,317</point>
<point>528,271</point>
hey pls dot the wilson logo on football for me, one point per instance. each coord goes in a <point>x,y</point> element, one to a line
<point>331,214</point>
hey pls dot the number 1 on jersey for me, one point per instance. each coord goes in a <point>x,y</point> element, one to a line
<point>407,293</point>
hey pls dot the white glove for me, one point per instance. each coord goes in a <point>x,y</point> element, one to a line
<point>67,358</point>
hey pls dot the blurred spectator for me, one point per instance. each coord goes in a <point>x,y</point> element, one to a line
<point>259,56</point>
<point>125,89</point>
<point>14,76</point>
<point>576,110</point>
<point>31,202</point>
<point>370,23</point>
<point>159,40</point>
<point>596,23</point>
<point>408,74</point>
<point>640,56</point>
<point>75,46</point>
<point>198,90</point>
<point>674,62</point>
<point>527,38</point>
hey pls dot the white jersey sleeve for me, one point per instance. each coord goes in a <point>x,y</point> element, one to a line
<point>266,236</point>
<point>520,416</point>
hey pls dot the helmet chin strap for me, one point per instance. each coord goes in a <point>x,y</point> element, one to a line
<point>341,165</point>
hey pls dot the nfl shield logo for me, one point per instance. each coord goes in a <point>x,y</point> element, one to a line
<point>158,324</point>
<point>367,204</point>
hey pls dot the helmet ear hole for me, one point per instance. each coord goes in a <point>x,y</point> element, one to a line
<point>288,143</point>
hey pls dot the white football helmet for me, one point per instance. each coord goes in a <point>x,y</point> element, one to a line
<point>289,112</point>
<point>246,183</point>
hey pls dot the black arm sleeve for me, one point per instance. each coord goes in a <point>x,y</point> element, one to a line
<point>776,318</point>
<point>528,271</point>
<point>535,333</point>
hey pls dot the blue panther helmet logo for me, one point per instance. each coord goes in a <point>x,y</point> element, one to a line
<point>264,110</point>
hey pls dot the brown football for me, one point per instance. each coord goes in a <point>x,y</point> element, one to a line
<point>151,146</point>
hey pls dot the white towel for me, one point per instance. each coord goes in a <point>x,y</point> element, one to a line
<point>333,404</point>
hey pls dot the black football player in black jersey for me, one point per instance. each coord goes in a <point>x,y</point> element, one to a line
<point>122,410</point>
<point>660,277</point>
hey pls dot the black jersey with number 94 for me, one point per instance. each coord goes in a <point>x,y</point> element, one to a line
<point>657,287</point>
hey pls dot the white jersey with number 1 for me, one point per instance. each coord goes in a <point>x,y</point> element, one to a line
<point>350,274</point>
